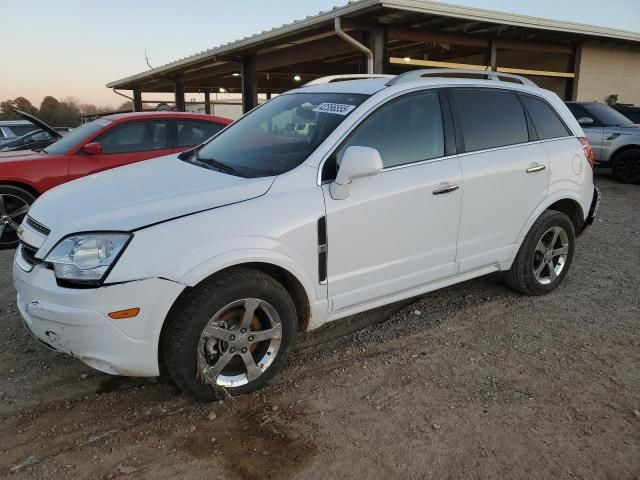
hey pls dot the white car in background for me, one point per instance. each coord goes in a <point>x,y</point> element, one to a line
<point>207,264</point>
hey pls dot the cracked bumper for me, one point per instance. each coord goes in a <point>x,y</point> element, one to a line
<point>76,322</point>
<point>593,211</point>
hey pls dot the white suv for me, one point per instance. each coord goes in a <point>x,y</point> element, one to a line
<point>207,264</point>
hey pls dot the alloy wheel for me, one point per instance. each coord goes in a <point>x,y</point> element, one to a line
<point>12,211</point>
<point>550,255</point>
<point>239,343</point>
<point>627,167</point>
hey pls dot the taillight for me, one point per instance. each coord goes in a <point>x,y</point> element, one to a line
<point>588,151</point>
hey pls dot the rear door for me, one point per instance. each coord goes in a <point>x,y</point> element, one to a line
<point>193,132</point>
<point>123,144</point>
<point>505,174</point>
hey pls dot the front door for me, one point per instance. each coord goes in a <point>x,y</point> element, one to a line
<point>397,230</point>
<point>123,144</point>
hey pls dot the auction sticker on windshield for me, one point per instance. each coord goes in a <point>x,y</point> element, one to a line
<point>337,108</point>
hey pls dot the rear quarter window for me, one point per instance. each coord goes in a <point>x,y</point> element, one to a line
<point>490,119</point>
<point>545,120</point>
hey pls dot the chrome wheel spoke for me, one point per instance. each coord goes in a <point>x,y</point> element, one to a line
<point>552,271</point>
<point>20,211</point>
<point>253,371</point>
<point>3,206</point>
<point>262,335</point>
<point>2,227</point>
<point>211,331</point>
<point>250,307</point>
<point>538,271</point>
<point>554,239</point>
<point>211,372</point>
<point>541,247</point>
<point>561,251</point>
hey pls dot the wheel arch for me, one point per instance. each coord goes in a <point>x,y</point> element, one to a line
<point>622,149</point>
<point>25,186</point>
<point>288,280</point>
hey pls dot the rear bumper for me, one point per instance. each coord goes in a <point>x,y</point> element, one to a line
<point>593,210</point>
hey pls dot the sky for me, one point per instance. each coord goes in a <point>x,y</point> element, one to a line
<point>74,47</point>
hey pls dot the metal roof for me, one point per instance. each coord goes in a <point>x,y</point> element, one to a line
<point>361,6</point>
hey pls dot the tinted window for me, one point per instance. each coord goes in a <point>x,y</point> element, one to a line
<point>77,137</point>
<point>404,131</point>
<point>606,115</point>
<point>193,132</point>
<point>20,130</point>
<point>490,119</point>
<point>578,110</point>
<point>135,137</point>
<point>278,136</point>
<point>545,120</point>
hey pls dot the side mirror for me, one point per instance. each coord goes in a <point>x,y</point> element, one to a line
<point>93,148</point>
<point>585,121</point>
<point>357,162</point>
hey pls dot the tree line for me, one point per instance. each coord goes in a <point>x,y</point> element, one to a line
<point>64,113</point>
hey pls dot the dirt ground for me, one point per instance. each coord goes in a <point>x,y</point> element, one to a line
<point>473,381</point>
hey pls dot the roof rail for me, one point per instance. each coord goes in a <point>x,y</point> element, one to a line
<point>343,78</point>
<point>452,72</point>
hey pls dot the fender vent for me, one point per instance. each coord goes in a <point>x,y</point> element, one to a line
<point>322,249</point>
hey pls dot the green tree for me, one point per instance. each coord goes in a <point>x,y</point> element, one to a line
<point>48,110</point>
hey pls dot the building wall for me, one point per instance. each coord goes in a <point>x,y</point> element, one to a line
<point>609,71</point>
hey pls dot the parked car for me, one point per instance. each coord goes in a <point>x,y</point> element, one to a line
<point>207,264</point>
<point>632,112</point>
<point>614,138</point>
<point>108,142</point>
<point>12,129</point>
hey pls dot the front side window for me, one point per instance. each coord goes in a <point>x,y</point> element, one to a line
<point>490,119</point>
<point>194,132</point>
<point>545,120</point>
<point>278,136</point>
<point>406,130</point>
<point>78,136</point>
<point>138,136</point>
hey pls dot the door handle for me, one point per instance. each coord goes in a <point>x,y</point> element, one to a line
<point>537,168</point>
<point>449,189</point>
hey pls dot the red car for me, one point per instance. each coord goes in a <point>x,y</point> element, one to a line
<point>105,143</point>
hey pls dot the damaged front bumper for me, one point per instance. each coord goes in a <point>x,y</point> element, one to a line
<point>76,321</point>
<point>593,210</point>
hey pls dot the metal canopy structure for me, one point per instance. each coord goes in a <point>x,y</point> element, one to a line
<point>381,37</point>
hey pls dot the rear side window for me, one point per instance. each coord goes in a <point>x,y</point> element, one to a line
<point>545,119</point>
<point>490,119</point>
<point>135,136</point>
<point>404,131</point>
<point>194,132</point>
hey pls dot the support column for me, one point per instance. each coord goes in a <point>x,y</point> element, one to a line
<point>268,94</point>
<point>178,90</point>
<point>137,100</point>
<point>493,55</point>
<point>379,47</point>
<point>249,83</point>
<point>573,83</point>
<point>207,102</point>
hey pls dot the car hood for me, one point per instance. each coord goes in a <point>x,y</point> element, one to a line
<point>138,195</point>
<point>39,123</point>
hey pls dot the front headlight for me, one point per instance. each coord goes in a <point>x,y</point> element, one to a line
<point>87,258</point>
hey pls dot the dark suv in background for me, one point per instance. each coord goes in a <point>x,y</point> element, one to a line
<point>615,139</point>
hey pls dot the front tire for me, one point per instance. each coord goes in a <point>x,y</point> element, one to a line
<point>230,336</point>
<point>545,255</point>
<point>626,167</point>
<point>14,205</point>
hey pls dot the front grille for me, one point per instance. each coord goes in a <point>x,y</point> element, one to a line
<point>37,226</point>
<point>29,254</point>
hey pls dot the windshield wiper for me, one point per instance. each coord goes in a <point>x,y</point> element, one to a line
<point>211,164</point>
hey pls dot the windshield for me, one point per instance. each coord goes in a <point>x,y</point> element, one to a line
<point>606,115</point>
<point>76,136</point>
<point>278,136</point>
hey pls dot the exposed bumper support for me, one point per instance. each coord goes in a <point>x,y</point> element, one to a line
<point>593,211</point>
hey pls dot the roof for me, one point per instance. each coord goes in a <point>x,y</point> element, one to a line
<point>362,6</point>
<point>119,117</point>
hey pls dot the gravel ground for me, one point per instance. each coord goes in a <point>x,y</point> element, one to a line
<point>472,381</point>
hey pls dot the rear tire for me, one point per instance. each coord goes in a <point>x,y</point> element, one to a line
<point>626,167</point>
<point>14,205</point>
<point>545,255</point>
<point>230,336</point>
